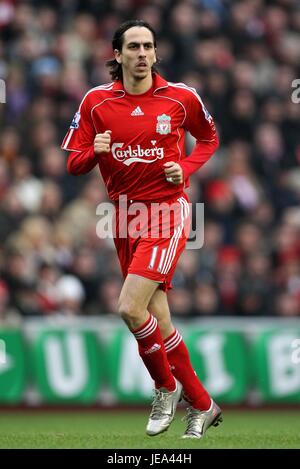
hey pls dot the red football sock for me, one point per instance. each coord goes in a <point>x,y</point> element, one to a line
<point>183,371</point>
<point>153,354</point>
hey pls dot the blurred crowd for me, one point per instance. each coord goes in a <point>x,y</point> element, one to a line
<point>242,57</point>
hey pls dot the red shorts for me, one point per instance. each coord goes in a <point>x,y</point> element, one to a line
<point>150,237</point>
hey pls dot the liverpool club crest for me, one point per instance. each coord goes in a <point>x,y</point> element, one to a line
<point>163,125</point>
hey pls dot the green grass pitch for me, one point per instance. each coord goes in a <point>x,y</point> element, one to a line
<point>126,429</point>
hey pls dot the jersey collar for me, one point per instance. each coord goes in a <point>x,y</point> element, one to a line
<point>158,82</point>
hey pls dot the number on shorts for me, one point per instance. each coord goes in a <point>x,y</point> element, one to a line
<point>154,256</point>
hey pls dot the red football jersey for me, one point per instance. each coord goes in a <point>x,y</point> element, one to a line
<point>147,130</point>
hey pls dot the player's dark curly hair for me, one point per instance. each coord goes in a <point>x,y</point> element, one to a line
<point>115,69</point>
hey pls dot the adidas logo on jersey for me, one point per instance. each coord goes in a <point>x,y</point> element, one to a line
<point>137,112</point>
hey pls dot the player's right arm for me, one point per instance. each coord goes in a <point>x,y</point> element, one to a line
<point>84,144</point>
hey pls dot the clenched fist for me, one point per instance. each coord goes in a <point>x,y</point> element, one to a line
<point>173,172</point>
<point>102,142</point>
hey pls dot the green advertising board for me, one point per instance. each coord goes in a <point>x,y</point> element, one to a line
<point>277,358</point>
<point>12,366</point>
<point>71,365</point>
<point>67,366</point>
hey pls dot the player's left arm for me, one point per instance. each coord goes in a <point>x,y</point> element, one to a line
<point>174,172</point>
<point>201,125</point>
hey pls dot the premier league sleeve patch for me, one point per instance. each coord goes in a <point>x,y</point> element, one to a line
<point>75,121</point>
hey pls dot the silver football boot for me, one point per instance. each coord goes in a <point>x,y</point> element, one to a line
<point>163,409</point>
<point>198,421</point>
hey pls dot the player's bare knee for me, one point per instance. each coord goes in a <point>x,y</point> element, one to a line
<point>129,312</point>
